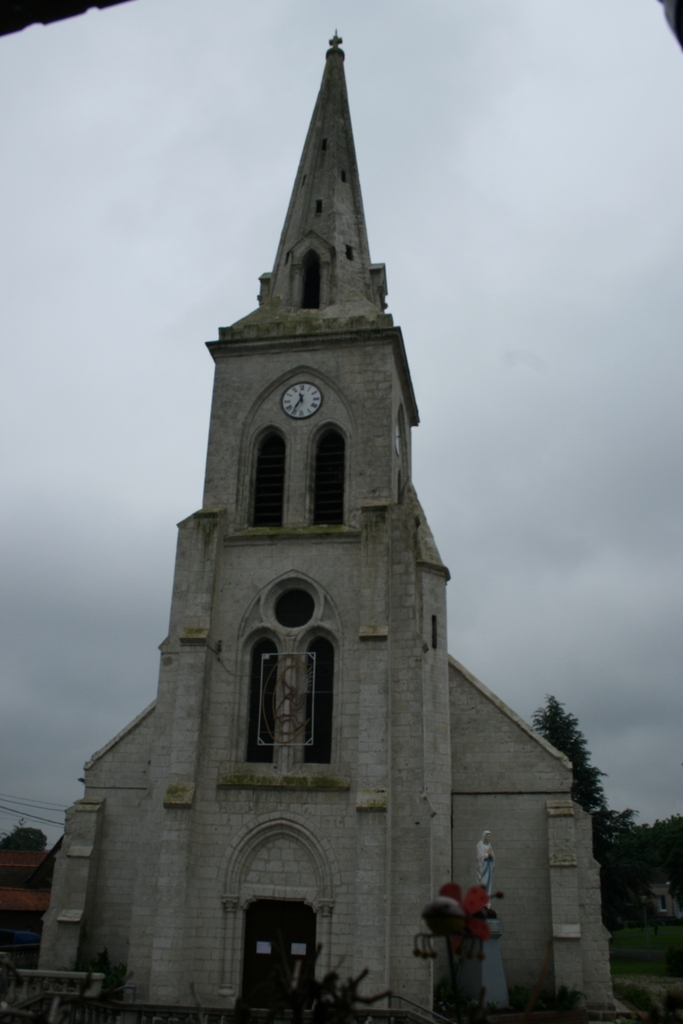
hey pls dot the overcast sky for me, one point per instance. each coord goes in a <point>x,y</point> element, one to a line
<point>521,164</point>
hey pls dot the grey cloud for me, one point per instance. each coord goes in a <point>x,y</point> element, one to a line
<point>521,170</point>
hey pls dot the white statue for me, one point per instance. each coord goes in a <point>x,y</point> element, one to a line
<point>485,861</point>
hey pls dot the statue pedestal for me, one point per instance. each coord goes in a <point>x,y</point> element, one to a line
<point>473,975</point>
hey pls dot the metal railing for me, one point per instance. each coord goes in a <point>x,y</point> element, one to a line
<point>423,1011</point>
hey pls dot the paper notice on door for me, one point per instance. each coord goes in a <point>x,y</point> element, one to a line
<point>263,947</point>
<point>298,949</point>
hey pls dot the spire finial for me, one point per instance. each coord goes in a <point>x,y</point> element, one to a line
<point>334,44</point>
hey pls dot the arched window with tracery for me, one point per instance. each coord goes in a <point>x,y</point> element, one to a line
<point>262,681</point>
<point>269,485</point>
<point>310,294</point>
<point>328,487</point>
<point>318,748</point>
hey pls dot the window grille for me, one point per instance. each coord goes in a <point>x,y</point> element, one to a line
<point>328,499</point>
<point>318,741</point>
<point>270,482</point>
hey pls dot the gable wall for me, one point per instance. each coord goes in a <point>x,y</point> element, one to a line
<point>100,883</point>
<point>502,778</point>
<point>491,749</point>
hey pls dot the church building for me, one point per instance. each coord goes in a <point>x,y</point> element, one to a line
<point>315,766</point>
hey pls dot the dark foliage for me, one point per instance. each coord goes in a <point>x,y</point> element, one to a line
<point>668,837</point>
<point>626,867</point>
<point>23,838</point>
<point>561,729</point>
<point>567,998</point>
<point>625,863</point>
<point>636,995</point>
<point>114,974</point>
<point>674,962</point>
<point>519,996</point>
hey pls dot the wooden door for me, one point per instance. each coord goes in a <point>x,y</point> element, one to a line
<point>274,928</point>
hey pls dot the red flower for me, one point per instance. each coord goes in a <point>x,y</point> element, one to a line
<point>474,902</point>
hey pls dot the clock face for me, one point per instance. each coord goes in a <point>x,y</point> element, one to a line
<point>301,400</point>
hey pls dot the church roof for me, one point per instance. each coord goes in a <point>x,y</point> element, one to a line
<point>326,199</point>
<point>17,865</point>
<point>120,735</point>
<point>325,225</point>
<point>24,899</point>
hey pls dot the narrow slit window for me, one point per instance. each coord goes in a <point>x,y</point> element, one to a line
<point>343,175</point>
<point>349,252</point>
<point>328,498</point>
<point>324,145</point>
<point>269,485</point>
<point>303,181</point>
<point>434,632</point>
<point>318,206</point>
<point>310,298</point>
<point>261,720</point>
<point>318,745</point>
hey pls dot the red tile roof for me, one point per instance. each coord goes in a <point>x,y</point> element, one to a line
<point>22,858</point>
<point>23,899</point>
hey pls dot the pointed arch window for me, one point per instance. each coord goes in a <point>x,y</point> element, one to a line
<point>328,496</point>
<point>261,717</point>
<point>310,265</point>
<point>319,705</point>
<point>269,485</point>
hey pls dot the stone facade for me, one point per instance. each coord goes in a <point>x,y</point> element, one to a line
<point>509,779</point>
<point>182,830</point>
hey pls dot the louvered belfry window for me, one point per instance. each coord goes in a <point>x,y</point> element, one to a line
<point>318,748</point>
<point>270,482</point>
<point>310,296</point>
<point>328,498</point>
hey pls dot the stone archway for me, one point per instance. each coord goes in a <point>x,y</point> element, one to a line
<point>276,858</point>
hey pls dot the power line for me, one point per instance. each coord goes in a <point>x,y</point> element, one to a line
<point>32,817</point>
<point>43,805</point>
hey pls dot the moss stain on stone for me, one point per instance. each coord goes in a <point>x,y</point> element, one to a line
<point>247,779</point>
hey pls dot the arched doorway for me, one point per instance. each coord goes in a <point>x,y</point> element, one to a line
<point>274,928</point>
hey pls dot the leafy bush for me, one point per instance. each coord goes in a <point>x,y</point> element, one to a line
<point>519,997</point>
<point>636,995</point>
<point>114,974</point>
<point>674,962</point>
<point>567,998</point>
<point>444,998</point>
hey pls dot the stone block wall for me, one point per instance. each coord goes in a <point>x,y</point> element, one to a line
<point>509,780</point>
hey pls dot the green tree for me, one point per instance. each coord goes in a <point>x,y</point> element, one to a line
<point>561,729</point>
<point>620,847</point>
<point>667,837</point>
<point>23,838</point>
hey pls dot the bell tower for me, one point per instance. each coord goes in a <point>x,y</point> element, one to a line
<point>298,753</point>
<point>304,688</point>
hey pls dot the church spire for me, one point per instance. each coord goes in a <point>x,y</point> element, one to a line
<point>323,259</point>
